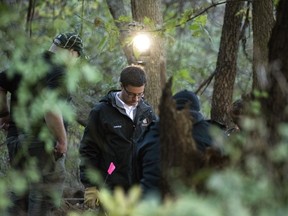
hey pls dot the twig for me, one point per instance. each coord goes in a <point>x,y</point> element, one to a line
<point>205,83</point>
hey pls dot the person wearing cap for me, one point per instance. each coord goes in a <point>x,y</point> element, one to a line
<point>109,141</point>
<point>201,127</point>
<point>25,144</point>
<point>148,147</point>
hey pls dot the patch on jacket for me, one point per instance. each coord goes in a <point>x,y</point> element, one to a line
<point>145,122</point>
<point>117,126</point>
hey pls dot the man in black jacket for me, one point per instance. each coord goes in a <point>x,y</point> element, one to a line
<point>148,148</point>
<point>25,142</point>
<point>114,126</point>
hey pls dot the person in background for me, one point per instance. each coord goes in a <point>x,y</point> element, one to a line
<point>27,145</point>
<point>148,148</point>
<point>238,111</point>
<point>114,126</point>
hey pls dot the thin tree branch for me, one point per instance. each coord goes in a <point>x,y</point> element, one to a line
<point>30,15</point>
<point>191,17</point>
<point>203,11</point>
<point>242,37</point>
<point>205,83</point>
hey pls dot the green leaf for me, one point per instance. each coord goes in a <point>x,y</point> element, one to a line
<point>102,44</point>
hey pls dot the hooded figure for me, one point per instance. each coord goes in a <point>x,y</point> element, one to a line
<point>148,148</point>
<point>201,127</point>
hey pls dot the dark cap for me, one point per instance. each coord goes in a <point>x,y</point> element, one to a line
<point>188,97</point>
<point>183,97</point>
<point>69,40</point>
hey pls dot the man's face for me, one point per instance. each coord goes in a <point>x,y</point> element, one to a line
<point>131,94</point>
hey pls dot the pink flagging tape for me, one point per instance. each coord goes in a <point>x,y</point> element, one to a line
<point>111,168</point>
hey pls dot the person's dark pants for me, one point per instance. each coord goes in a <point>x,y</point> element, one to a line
<point>42,196</point>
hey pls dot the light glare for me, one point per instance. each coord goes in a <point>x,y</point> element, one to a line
<point>141,42</point>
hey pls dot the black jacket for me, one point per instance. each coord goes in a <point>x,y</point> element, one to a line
<point>148,160</point>
<point>148,152</point>
<point>110,136</point>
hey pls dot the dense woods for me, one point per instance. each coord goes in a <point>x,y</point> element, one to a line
<point>222,50</point>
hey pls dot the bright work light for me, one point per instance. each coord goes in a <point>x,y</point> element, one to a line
<point>141,43</point>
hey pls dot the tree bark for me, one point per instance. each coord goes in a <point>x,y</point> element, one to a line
<point>155,62</point>
<point>226,62</point>
<point>117,10</point>
<point>262,24</point>
<point>275,107</point>
<point>181,161</point>
<point>179,156</point>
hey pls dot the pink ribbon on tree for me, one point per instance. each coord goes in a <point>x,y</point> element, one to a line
<point>111,168</point>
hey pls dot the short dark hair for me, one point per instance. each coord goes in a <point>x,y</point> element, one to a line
<point>133,75</point>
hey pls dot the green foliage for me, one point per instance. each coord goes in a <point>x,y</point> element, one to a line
<point>103,44</point>
<point>190,60</point>
<point>124,19</point>
<point>198,25</point>
<point>185,17</point>
<point>276,2</point>
<point>119,203</point>
<point>16,181</point>
<point>260,94</point>
<point>280,152</point>
<point>21,55</point>
<point>95,177</point>
<point>4,165</point>
<point>232,191</point>
<point>190,53</point>
<point>182,78</point>
<point>4,201</point>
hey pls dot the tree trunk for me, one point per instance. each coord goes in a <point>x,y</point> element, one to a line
<point>275,107</point>
<point>181,161</point>
<point>117,10</point>
<point>226,62</point>
<point>263,21</point>
<point>179,155</point>
<point>155,62</point>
